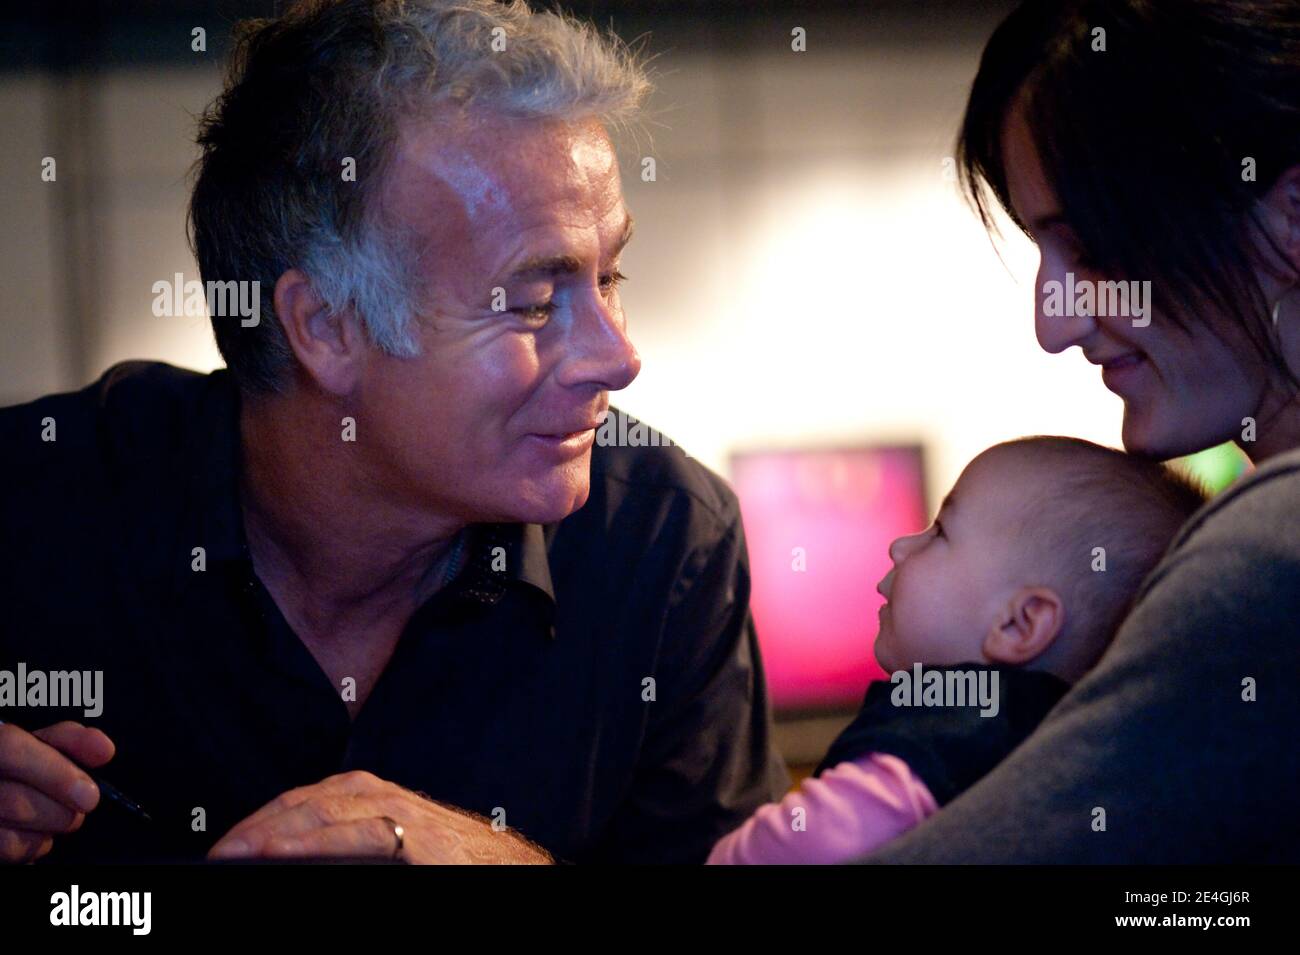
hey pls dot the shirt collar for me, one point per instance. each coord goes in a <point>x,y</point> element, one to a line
<point>496,556</point>
<point>499,555</point>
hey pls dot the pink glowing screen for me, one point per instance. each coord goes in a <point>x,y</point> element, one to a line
<point>819,525</point>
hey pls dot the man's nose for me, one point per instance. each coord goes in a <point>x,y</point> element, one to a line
<point>1057,324</point>
<point>598,349</point>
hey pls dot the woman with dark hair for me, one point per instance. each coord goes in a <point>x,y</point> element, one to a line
<point>1159,141</point>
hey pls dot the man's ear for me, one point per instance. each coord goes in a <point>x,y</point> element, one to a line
<point>331,348</point>
<point>1028,625</point>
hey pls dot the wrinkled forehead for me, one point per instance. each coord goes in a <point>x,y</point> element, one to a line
<point>478,169</point>
<point>474,195</point>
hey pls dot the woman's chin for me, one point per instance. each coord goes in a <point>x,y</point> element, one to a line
<point>1147,434</point>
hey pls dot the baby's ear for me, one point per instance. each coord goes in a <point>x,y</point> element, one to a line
<point>1028,625</point>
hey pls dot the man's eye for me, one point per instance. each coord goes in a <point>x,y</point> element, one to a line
<point>612,280</point>
<point>535,313</point>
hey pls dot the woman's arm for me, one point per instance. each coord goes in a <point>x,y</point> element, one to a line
<point>1180,746</point>
<point>850,809</point>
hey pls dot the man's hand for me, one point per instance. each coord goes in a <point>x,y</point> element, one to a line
<point>345,816</point>
<point>43,793</point>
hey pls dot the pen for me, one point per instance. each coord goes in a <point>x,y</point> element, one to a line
<point>111,791</point>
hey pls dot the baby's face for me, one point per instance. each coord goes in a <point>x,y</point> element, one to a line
<point>952,582</point>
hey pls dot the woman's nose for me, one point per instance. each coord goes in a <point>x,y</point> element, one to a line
<point>1058,324</point>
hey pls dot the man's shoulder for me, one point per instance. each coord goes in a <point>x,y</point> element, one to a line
<point>636,463</point>
<point>127,391</point>
<point>135,415</point>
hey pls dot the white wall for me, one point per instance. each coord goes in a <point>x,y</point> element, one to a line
<point>823,282</point>
<point>34,351</point>
<point>802,272</point>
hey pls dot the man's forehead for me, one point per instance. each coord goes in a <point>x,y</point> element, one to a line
<point>488,183</point>
<point>496,159</point>
<point>482,199</point>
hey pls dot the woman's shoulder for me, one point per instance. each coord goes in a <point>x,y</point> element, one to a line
<point>1264,505</point>
<point>1247,536</point>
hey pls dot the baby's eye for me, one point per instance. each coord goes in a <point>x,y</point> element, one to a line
<point>938,528</point>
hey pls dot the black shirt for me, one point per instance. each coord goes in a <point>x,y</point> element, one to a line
<point>521,691</point>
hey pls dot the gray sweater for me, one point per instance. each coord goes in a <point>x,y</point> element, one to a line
<point>1161,734</point>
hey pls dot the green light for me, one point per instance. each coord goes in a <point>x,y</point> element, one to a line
<point>1216,467</point>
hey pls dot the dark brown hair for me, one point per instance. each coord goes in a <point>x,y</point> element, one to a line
<point>1145,144</point>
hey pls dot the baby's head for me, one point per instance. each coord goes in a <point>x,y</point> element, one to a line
<point>1011,571</point>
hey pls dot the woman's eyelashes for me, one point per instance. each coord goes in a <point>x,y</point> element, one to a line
<point>1076,255</point>
<point>1082,261</point>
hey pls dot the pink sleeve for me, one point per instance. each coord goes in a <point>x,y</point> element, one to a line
<point>851,809</point>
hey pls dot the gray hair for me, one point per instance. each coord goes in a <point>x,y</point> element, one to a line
<point>334,79</point>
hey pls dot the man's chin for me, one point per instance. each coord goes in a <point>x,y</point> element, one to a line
<point>548,505</point>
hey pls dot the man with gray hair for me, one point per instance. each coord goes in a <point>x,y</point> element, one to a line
<point>374,589</point>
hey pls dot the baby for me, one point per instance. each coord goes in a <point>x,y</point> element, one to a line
<point>990,615</point>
